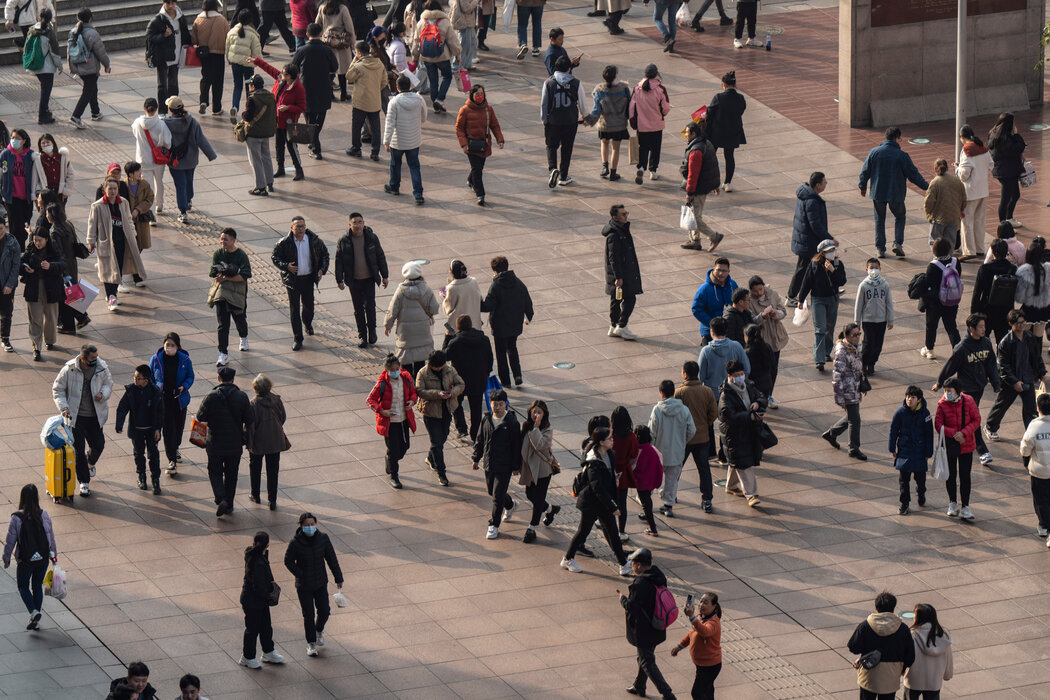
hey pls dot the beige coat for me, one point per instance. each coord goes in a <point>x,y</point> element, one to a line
<point>462,297</point>
<point>210,29</point>
<point>463,16</point>
<point>99,234</point>
<point>449,39</point>
<point>239,48</point>
<point>412,308</point>
<point>340,22</point>
<point>143,201</point>
<point>536,455</point>
<point>368,76</point>
<point>771,329</point>
<point>429,387</point>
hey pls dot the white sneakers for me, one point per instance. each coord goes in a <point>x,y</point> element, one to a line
<point>507,512</point>
<point>272,657</point>
<point>626,570</point>
<point>85,490</point>
<point>928,354</point>
<point>123,288</point>
<point>492,533</point>
<point>1015,223</point>
<point>250,663</point>
<point>772,403</point>
<point>320,640</point>
<point>562,182</point>
<point>244,345</point>
<point>737,44</point>
<point>622,332</point>
<point>727,187</point>
<point>990,434</point>
<point>1042,532</point>
<point>966,513</point>
<point>986,458</point>
<point>223,360</point>
<point>311,649</point>
<point>653,175</point>
<point>953,509</point>
<point>570,565</point>
<point>612,332</point>
<point>112,303</point>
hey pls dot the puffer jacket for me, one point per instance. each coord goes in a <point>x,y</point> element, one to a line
<point>711,300</point>
<point>974,169</point>
<point>598,494</point>
<point>97,56</point>
<point>470,352</point>
<point>303,13</point>
<point>69,385</point>
<point>51,277</point>
<point>210,29</point>
<point>945,199</point>
<point>738,426</point>
<point>184,375</point>
<point>368,76</point>
<point>258,582</point>
<point>621,259</point>
<point>49,45</point>
<point>1036,445</point>
<point>911,437</point>
<point>450,46</point>
<point>611,105</point>
<point>10,255</point>
<point>306,557</point>
<point>227,412</point>
<point>671,424</point>
<point>413,308</point>
<point>1007,160</point>
<point>143,407</point>
<point>463,14</point>
<point>810,225</point>
<point>382,396</point>
<point>238,48</point>
<point>951,414</point>
<point>429,387</point>
<point>771,329</point>
<point>508,304</point>
<point>649,107</point>
<point>405,114</point>
<point>470,124</point>
<point>886,633</point>
<point>1026,293</point>
<point>639,605</point>
<point>266,425</point>
<point>849,369</point>
<point>933,662</point>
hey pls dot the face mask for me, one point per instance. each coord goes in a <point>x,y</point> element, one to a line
<point>951,396</point>
<point>92,363</point>
<point>830,255</point>
<point>16,143</point>
<point>48,149</point>
<point>874,274</point>
<point>739,381</point>
<point>479,98</point>
<point>310,530</point>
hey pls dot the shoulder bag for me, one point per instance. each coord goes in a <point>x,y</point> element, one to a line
<point>301,133</point>
<point>479,146</point>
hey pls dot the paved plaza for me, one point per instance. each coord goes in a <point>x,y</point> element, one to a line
<point>435,610</point>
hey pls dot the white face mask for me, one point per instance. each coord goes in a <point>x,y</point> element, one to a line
<point>874,274</point>
<point>951,396</point>
<point>47,149</point>
<point>830,255</point>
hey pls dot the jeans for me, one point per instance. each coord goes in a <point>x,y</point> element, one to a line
<point>497,483</point>
<point>259,159</point>
<point>874,335</point>
<point>437,430</point>
<point>29,578</point>
<point>704,683</point>
<point>174,425</point>
<point>308,600</point>
<point>357,120</point>
<point>88,96</point>
<point>670,29</point>
<point>167,85</point>
<point>318,119</point>
<point>87,430</point>
<point>223,312</point>
<point>825,312</point>
<point>276,18</point>
<point>183,180</point>
<point>904,480</point>
<point>851,420</point>
<point>946,315</point>
<point>397,440</point>
<point>701,454</point>
<point>608,526</point>
<point>363,297</point>
<point>745,12</point>
<point>649,145</point>
<point>282,143</point>
<point>899,220</point>
<point>301,304</point>
<point>213,71</point>
<point>142,442</point>
<point>7,309</point>
<point>468,40</point>
<point>300,42</point>
<point>257,624</point>
<point>537,495</point>
<point>1009,195</point>
<point>507,349</point>
<point>241,75</point>
<point>475,179</point>
<point>474,400</point>
<point>437,91</point>
<point>620,309</point>
<point>647,668</point>
<point>273,465</point>
<point>412,156</point>
<point>1004,399</point>
<point>560,136</point>
<point>1041,500</point>
<point>47,82</point>
<point>730,156</point>
<point>524,15</point>
<point>222,472</point>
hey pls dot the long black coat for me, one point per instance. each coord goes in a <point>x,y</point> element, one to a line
<point>725,122</point>
<point>621,259</point>
<point>470,353</point>
<point>638,608</point>
<point>227,412</point>
<point>317,64</point>
<point>599,496</point>
<point>508,304</point>
<point>738,428</point>
<point>375,258</point>
<point>258,582</point>
<point>306,558</point>
<point>52,277</point>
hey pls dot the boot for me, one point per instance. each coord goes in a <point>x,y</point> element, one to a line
<point>279,170</point>
<point>342,89</point>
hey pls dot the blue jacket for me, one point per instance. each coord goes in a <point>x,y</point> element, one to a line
<point>811,221</point>
<point>911,437</point>
<point>713,359</point>
<point>889,168</point>
<point>7,174</point>
<point>711,300</point>
<point>183,377</point>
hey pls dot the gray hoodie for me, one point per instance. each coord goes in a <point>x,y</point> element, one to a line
<point>933,664</point>
<point>713,359</point>
<point>874,302</point>
<point>672,425</point>
<point>562,79</point>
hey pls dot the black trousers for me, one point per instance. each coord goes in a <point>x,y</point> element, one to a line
<point>281,143</point>
<point>474,401</point>
<point>397,441</point>
<point>19,213</point>
<point>318,119</point>
<point>276,18</point>
<point>497,483</point>
<point>703,8</point>
<point>979,434</point>
<point>87,430</point>
<point>142,443</point>
<point>301,304</point>
<point>47,82</point>
<point>474,179</point>
<point>222,472</point>
<point>483,27</point>
<point>224,312</point>
<point>310,600</point>
<point>649,145</point>
<point>704,683</point>
<point>745,12</point>
<point>363,296</point>
<point>959,465</point>
<point>904,479</point>
<point>167,85</point>
<point>851,420</point>
<point>273,465</point>
<point>1041,500</point>
<point>801,263</point>
<point>174,425</point>
<point>924,694</point>
<point>507,350</point>
<point>608,525</point>
<point>620,310</point>
<point>1009,195</point>
<point>438,429</point>
<point>563,137</point>
<point>257,624</point>
<point>88,96</point>
<point>646,497</point>
<point>7,309</point>
<point>213,71</point>
<point>874,336</point>
<point>701,454</point>
<point>67,318</point>
<point>537,495</point>
<point>1004,399</point>
<point>868,695</point>
<point>946,316</point>
<point>647,669</point>
<point>358,118</point>
<point>730,153</point>
<point>621,503</point>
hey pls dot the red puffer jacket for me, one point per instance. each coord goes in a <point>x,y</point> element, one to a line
<point>380,397</point>
<point>950,415</point>
<point>292,96</point>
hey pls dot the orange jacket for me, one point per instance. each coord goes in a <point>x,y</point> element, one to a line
<point>705,641</point>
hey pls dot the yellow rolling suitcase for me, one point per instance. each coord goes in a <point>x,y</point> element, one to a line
<point>60,472</point>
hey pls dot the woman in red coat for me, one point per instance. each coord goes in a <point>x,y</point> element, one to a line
<point>290,94</point>
<point>625,447</point>
<point>476,124</point>
<point>392,399</point>
<point>957,413</point>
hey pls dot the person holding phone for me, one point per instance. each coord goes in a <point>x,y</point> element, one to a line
<point>704,642</point>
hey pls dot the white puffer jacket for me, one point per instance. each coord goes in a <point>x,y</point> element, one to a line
<point>65,177</point>
<point>1026,293</point>
<point>1036,444</point>
<point>238,47</point>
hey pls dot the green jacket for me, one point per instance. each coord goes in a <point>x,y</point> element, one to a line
<point>262,108</point>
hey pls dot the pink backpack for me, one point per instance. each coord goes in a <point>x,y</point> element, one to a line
<point>665,609</point>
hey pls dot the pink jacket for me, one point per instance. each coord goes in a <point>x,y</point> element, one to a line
<point>303,13</point>
<point>650,107</point>
<point>649,469</point>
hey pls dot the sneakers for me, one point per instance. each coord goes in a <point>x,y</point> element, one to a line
<point>394,482</point>
<point>1048,542</point>
<point>928,354</point>
<point>626,569</point>
<point>223,360</point>
<point>737,44</point>
<point>142,483</point>
<point>112,303</point>
<point>250,663</point>
<point>123,288</point>
<point>898,251</point>
<point>772,403</point>
<point>536,52</point>
<point>522,50</point>
<point>693,245</point>
<point>1042,532</point>
<point>34,620</point>
<point>562,182</point>
<point>638,176</point>
<point>613,332</point>
<point>77,123</point>
<point>715,240</point>
<point>6,343</point>
<point>753,501</point>
<point>311,649</point>
<point>508,512</point>
<point>653,176</point>
<point>548,517</point>
<point>903,509</point>
<point>244,345</point>
<point>727,187</point>
<point>552,181</point>
<point>624,537</point>
<point>570,565</point>
<point>990,434</point>
<point>666,511</point>
<point>530,536</point>
<point>706,505</point>
<point>953,509</point>
<point>734,491</point>
<point>1015,223</point>
<point>320,639</point>
<point>492,533</point>
<point>966,513</point>
<point>272,657</point>
<point>625,333</point>
<point>183,218</point>
<point>173,468</point>
<point>791,303</point>
<point>986,458</point>
<point>85,490</point>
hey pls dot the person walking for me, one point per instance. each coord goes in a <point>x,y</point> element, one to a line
<point>556,49</point>
<point>470,353</point>
<point>10,266</point>
<point>187,142</point>
<point>435,44</point>
<point>143,406</point>
<point>761,358</point>
<point>849,384</point>
<point>51,63</point>
<point>31,538</point>
<point>561,107</point>
<point>307,554</point>
<point>22,16</point>
<point>337,31</point>
<point>1007,149</point>
<point>703,408</point>
<point>290,96</point>
<point>712,297</point>
<point>166,36</point>
<point>642,633</point>
<point>53,170</point>
<point>476,125</point>
<point>725,112</point>
<point>256,594</point>
<point>463,17</point>
<point>623,277</point>
<point>883,632</point>
<point>274,14</point>
<point>392,399</point>
<point>87,58</point>
<point>945,204</point>
<point>529,11</point>
<point>615,10</point>
<point>317,64</point>
<point>360,264</point>
<point>242,45</point>
<point>230,271</point>
<point>823,278</point>
<point>18,185</point>
<point>649,105</point>
<point>302,258</point>
<point>486,10</point>
<point>42,269</point>
<point>81,393</point>
<point>741,408</point>
<point>669,30</point>
<point>261,116</point>
<point>1033,287</point>
<point>172,373</point>
<point>509,306</point>
<point>140,199</point>
<point>266,439</point>
<point>808,230</point>
<point>911,446</point>
<point>973,170</point>
<point>933,655</point>
<point>723,19</point>
<point>462,295</point>
<point>769,314</point>
<point>704,642</point>
<point>873,310</point>
<point>498,451</point>
<point>412,309</point>
<point>368,75</point>
<point>612,100</point>
<point>994,290</point>
<point>438,387</point>
<point>111,231</point>
<point>403,135</point>
<point>671,425</point>
<point>625,447</point>
<point>227,412</point>
<point>1020,368</point>
<point>538,465</point>
<point>944,289</point>
<point>210,29</point>
<point>889,169</point>
<point>958,415</point>
<point>151,134</point>
<point>1035,449</point>
<point>303,13</point>
<point>701,179</point>
<point>648,475</point>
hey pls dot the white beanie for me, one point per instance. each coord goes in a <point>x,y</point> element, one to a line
<point>411,271</point>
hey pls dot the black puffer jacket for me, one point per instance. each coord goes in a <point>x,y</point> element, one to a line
<point>258,582</point>
<point>160,48</point>
<point>621,259</point>
<point>375,258</point>
<point>1007,160</point>
<point>599,494</point>
<point>226,411</point>
<point>285,254</point>
<point>638,607</point>
<point>498,447</point>
<point>508,304</point>
<point>470,353</point>
<point>737,426</point>
<point>306,557</point>
<point>148,694</point>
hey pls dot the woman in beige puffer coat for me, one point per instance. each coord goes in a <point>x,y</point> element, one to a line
<point>412,308</point>
<point>242,43</point>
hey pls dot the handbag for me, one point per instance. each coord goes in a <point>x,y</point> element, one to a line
<point>766,436</point>
<point>240,131</point>
<point>552,463</point>
<point>940,459</point>
<point>161,155</point>
<point>198,433</point>
<point>203,51</point>
<point>336,39</point>
<point>73,293</point>
<point>1028,178</point>
<point>479,146</point>
<point>275,595</point>
<point>302,133</point>
<point>190,58</point>
<point>865,385</point>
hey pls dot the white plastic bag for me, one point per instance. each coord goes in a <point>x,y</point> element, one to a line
<point>687,221</point>
<point>940,459</point>
<point>508,12</point>
<point>1028,178</point>
<point>684,17</point>
<point>340,599</point>
<point>58,583</point>
<point>801,315</point>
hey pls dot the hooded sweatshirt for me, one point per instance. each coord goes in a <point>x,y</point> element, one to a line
<point>874,301</point>
<point>933,663</point>
<point>974,169</point>
<point>550,111</point>
<point>886,633</point>
<point>974,363</point>
<point>713,358</point>
<point>1036,445</point>
<point>158,131</point>
<point>672,425</point>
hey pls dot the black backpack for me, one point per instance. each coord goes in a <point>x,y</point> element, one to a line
<point>580,481</point>
<point>918,287</point>
<point>32,541</point>
<point>1002,291</point>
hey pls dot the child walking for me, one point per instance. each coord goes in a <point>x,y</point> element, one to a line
<point>911,444</point>
<point>874,312</point>
<point>143,406</point>
<point>648,474</point>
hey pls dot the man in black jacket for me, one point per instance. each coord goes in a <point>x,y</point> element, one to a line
<point>302,258</point>
<point>360,263</point>
<point>137,680</point>
<point>306,557</point>
<point>166,35</point>
<point>226,411</point>
<point>738,315</point>
<point>509,307</point>
<point>470,353</point>
<point>1020,368</point>
<point>973,361</point>
<point>144,403</point>
<point>498,450</point>
<point>317,66</point>
<point>623,277</point>
<point>638,605</point>
<point>995,297</point>
<point>883,632</point>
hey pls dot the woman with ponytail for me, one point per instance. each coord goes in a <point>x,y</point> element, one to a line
<point>973,169</point>
<point>87,55</point>
<point>255,601</point>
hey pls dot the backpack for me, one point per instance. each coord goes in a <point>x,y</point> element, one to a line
<point>951,289</point>
<point>430,40</point>
<point>78,49</point>
<point>917,287</point>
<point>580,482</point>
<point>665,610</point>
<point>33,53</point>
<point>32,541</point>
<point>1001,294</point>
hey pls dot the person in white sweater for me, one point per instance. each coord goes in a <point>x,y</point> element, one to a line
<point>462,295</point>
<point>158,131</point>
<point>1035,448</point>
<point>403,136</point>
<point>24,13</point>
<point>933,655</point>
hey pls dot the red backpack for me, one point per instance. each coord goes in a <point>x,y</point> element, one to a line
<point>430,40</point>
<point>665,610</point>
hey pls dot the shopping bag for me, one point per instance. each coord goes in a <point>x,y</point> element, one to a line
<point>1028,178</point>
<point>493,383</point>
<point>684,17</point>
<point>198,433</point>
<point>340,599</point>
<point>411,78</point>
<point>801,315</point>
<point>940,459</point>
<point>508,12</point>
<point>463,81</point>
<point>190,59</point>
<point>89,291</point>
<point>632,150</point>
<point>1040,388</point>
<point>73,293</point>
<point>57,587</point>
<point>687,221</point>
<point>700,114</point>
